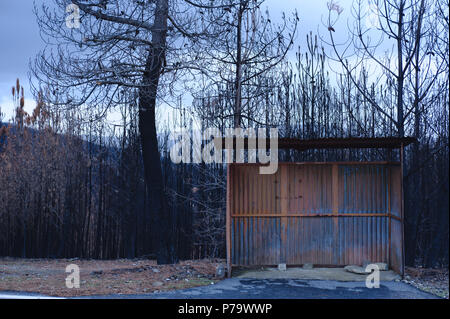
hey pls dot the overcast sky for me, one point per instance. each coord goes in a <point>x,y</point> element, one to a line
<point>20,40</point>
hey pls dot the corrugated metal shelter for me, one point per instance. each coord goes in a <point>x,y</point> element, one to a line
<point>323,213</point>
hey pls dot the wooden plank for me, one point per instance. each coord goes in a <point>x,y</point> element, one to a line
<point>228,221</point>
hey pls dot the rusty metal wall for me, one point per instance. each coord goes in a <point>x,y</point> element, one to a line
<point>320,213</point>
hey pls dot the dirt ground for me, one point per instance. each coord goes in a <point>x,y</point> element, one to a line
<point>434,281</point>
<point>98,277</point>
<point>137,276</point>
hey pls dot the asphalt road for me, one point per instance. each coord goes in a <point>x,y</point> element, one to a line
<point>243,288</point>
<point>238,288</point>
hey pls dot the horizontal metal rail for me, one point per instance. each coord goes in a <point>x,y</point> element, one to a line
<point>319,215</point>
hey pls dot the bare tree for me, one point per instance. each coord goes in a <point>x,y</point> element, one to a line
<point>120,46</point>
<point>398,46</point>
<point>247,47</point>
<point>403,51</point>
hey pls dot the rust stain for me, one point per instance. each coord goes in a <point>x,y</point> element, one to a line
<point>327,213</point>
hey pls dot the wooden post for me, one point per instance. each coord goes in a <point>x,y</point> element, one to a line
<point>402,205</point>
<point>390,216</point>
<point>228,221</point>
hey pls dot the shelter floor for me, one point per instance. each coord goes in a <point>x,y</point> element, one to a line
<point>337,274</point>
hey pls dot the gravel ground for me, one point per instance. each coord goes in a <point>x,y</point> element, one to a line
<point>433,281</point>
<point>124,276</point>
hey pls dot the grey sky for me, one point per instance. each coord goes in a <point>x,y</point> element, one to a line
<point>20,40</point>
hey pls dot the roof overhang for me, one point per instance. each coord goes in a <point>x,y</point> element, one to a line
<point>337,143</point>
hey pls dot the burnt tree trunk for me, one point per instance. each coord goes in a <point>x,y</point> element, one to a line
<point>166,248</point>
<point>238,81</point>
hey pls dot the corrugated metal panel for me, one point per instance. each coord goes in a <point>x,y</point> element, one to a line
<point>257,241</point>
<point>327,214</point>
<point>253,193</point>
<point>363,188</point>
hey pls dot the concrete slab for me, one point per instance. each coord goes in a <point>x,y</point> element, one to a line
<point>336,274</point>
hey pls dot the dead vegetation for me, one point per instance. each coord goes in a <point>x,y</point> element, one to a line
<point>99,277</point>
<point>434,281</point>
